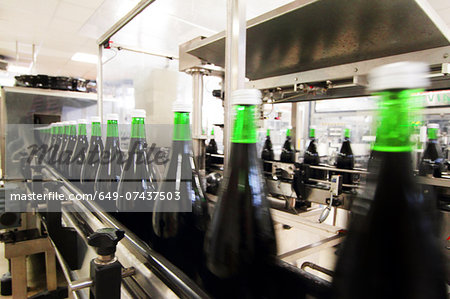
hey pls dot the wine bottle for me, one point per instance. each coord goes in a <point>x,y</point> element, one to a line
<point>390,250</point>
<point>311,157</point>
<point>432,159</point>
<point>66,155</point>
<point>267,152</point>
<point>79,154</point>
<point>110,169</point>
<point>51,143</point>
<point>240,242</point>
<point>287,154</point>
<point>54,150</point>
<point>180,226</point>
<point>345,159</point>
<point>212,145</point>
<point>138,177</point>
<point>92,161</point>
<point>64,140</point>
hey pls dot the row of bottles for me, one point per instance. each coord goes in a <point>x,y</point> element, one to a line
<point>431,163</point>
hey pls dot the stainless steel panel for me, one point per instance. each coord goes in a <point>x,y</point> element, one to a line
<point>326,33</point>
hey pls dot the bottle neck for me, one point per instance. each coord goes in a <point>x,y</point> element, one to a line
<point>112,128</point>
<point>96,129</point>
<point>181,129</point>
<point>394,125</point>
<point>244,127</point>
<point>138,127</point>
<point>82,130</point>
<point>73,130</point>
<point>67,130</point>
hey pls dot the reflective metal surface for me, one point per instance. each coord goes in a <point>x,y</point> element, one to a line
<point>304,36</point>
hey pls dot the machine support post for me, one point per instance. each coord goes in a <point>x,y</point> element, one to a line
<point>235,51</point>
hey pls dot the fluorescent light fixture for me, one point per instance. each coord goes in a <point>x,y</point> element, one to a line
<point>84,57</point>
<point>18,69</point>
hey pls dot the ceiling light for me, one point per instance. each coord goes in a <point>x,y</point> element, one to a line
<point>19,69</point>
<point>84,57</point>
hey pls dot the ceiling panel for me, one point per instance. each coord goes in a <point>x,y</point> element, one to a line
<point>60,28</point>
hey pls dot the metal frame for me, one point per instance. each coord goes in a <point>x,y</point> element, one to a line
<point>105,38</point>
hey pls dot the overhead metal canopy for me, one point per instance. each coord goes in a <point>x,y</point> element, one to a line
<point>304,36</point>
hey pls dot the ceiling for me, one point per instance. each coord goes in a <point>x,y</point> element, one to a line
<point>60,28</point>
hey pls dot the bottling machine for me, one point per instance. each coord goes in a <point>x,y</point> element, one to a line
<point>291,59</point>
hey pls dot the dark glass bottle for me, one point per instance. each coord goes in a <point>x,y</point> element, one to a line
<point>51,143</point>
<point>110,169</point>
<point>390,250</point>
<point>54,150</point>
<point>79,154</point>
<point>287,154</point>
<point>240,242</point>
<point>311,156</point>
<point>180,227</point>
<point>345,159</point>
<point>92,161</point>
<point>267,152</point>
<point>432,162</point>
<point>64,141</point>
<point>66,155</point>
<point>137,176</point>
<point>212,145</point>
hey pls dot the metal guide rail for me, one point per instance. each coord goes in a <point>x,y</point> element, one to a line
<point>154,275</point>
<point>148,274</point>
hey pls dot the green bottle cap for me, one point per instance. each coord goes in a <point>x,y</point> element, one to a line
<point>112,128</point>
<point>312,133</point>
<point>244,128</point>
<point>394,124</point>
<point>138,124</point>
<point>96,129</point>
<point>433,131</point>
<point>347,133</point>
<point>288,132</point>
<point>268,133</point>
<point>212,132</point>
<point>181,129</point>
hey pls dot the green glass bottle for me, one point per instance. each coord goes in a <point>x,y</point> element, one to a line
<point>180,227</point>
<point>110,169</point>
<point>137,176</point>
<point>240,243</point>
<point>92,161</point>
<point>79,153</point>
<point>391,250</point>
